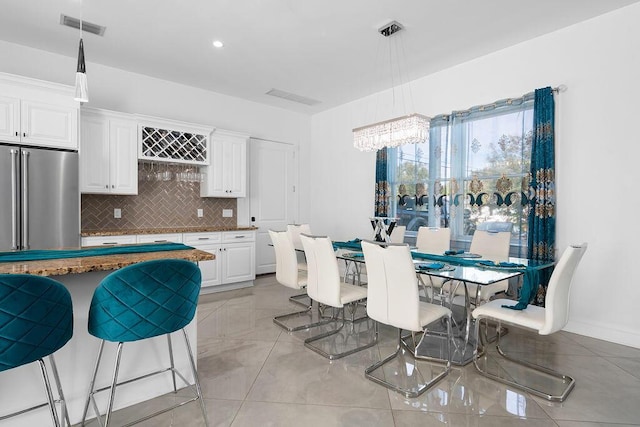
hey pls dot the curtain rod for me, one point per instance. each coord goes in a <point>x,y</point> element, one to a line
<point>507,101</point>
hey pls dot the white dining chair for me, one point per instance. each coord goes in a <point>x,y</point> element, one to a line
<point>294,231</point>
<point>393,299</point>
<point>493,246</point>
<point>288,274</point>
<point>325,286</point>
<point>397,234</point>
<point>432,240</point>
<point>544,320</point>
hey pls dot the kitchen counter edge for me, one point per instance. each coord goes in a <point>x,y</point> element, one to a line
<point>123,232</point>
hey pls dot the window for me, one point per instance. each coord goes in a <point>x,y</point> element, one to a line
<point>473,172</point>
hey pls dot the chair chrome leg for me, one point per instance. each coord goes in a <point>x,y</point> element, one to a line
<point>279,320</point>
<point>408,393</point>
<point>173,366</point>
<point>196,379</point>
<point>63,401</point>
<point>47,386</point>
<point>301,299</point>
<point>332,356</point>
<point>568,381</point>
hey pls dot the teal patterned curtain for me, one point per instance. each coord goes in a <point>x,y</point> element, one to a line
<point>382,184</point>
<point>542,217</point>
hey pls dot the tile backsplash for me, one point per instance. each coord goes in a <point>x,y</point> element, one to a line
<point>159,204</point>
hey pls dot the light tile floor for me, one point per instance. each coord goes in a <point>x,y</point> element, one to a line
<point>255,374</point>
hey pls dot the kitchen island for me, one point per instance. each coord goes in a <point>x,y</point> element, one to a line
<point>22,387</point>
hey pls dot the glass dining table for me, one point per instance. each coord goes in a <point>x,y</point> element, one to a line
<point>460,270</point>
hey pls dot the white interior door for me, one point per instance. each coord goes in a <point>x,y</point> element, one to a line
<point>273,201</point>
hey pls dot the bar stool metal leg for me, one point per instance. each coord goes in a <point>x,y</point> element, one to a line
<point>114,382</point>
<point>47,386</point>
<point>92,386</point>
<point>196,380</point>
<point>63,401</point>
<point>173,368</point>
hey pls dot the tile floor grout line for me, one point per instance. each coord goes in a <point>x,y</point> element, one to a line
<point>261,368</point>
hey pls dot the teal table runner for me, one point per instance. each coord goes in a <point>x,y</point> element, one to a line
<point>353,245</point>
<point>38,255</point>
<point>529,283</point>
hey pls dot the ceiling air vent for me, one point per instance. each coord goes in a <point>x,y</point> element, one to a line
<point>89,27</point>
<point>292,97</point>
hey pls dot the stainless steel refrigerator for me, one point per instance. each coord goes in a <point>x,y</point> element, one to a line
<point>39,198</point>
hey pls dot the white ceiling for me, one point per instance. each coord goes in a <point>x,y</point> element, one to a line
<point>328,50</point>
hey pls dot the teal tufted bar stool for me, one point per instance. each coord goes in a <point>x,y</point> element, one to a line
<point>36,320</point>
<point>138,302</point>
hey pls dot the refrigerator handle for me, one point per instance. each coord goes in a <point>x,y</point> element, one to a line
<point>25,199</point>
<point>14,199</point>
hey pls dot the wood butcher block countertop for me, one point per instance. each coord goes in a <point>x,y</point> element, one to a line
<point>59,267</point>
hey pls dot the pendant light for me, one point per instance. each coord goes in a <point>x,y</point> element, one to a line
<point>82,90</point>
<point>407,129</point>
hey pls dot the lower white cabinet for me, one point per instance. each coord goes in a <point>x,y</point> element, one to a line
<point>235,256</point>
<point>235,252</point>
<point>108,240</point>
<point>238,256</point>
<point>159,238</point>
<point>208,242</point>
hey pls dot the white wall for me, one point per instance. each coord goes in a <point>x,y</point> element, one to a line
<point>596,156</point>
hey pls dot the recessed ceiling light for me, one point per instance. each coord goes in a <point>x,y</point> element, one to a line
<point>218,43</point>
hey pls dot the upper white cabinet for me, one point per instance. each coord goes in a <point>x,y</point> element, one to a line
<point>108,153</point>
<point>33,112</point>
<point>227,174</point>
<point>163,140</point>
<point>9,119</point>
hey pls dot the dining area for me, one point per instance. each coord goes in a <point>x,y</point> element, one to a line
<point>447,305</point>
<point>254,372</point>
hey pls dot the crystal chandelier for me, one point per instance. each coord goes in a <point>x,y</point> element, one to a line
<point>407,129</point>
<point>411,129</point>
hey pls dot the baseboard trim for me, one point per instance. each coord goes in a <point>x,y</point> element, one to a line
<point>604,332</point>
<point>227,287</point>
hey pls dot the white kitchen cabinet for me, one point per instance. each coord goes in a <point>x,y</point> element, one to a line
<point>38,113</point>
<point>9,119</point>
<point>235,256</point>
<point>164,140</point>
<point>208,242</point>
<point>160,238</point>
<point>49,125</point>
<point>238,256</point>
<point>38,123</point>
<point>227,174</point>
<point>108,240</point>
<point>234,264</point>
<point>108,153</point>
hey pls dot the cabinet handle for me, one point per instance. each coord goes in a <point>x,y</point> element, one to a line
<point>24,134</point>
<point>240,236</point>
<point>109,243</point>
<point>113,186</point>
<point>106,186</point>
<point>159,241</point>
<point>203,238</point>
<point>16,133</point>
